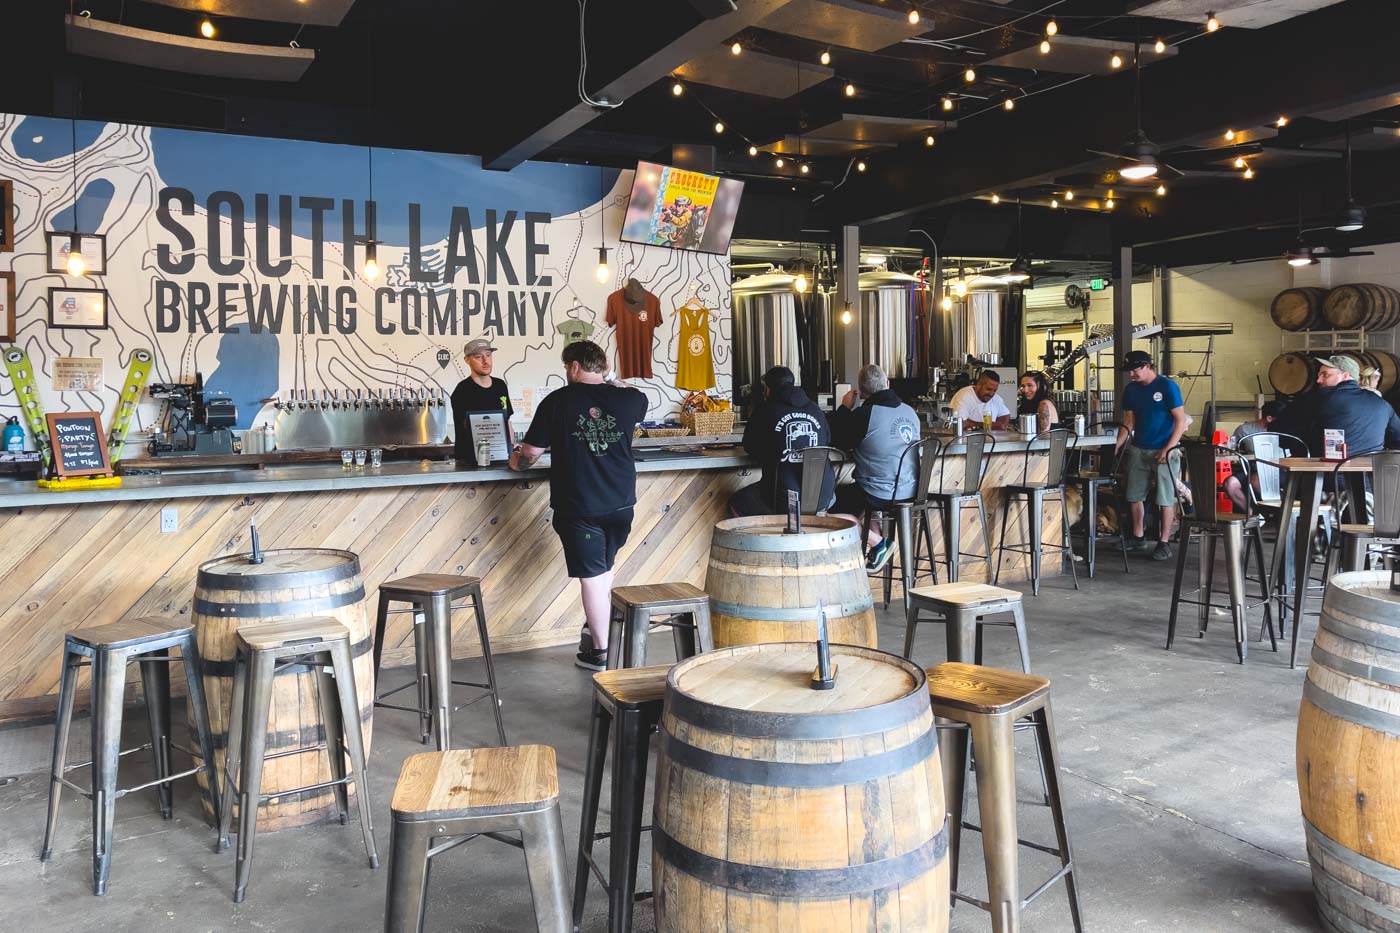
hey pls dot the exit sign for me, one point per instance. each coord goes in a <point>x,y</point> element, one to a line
<point>1097,285</point>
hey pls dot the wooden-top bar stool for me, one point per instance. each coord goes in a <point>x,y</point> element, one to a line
<point>631,700</point>
<point>107,650</point>
<point>989,702</point>
<point>965,608</point>
<point>262,651</point>
<point>444,799</point>
<point>682,607</point>
<point>431,596</point>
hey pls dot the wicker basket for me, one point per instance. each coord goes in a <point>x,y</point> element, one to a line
<point>665,432</point>
<point>708,423</point>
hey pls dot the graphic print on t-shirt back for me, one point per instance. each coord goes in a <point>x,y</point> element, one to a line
<point>598,431</point>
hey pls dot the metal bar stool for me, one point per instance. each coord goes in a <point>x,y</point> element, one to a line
<point>445,799</point>
<point>1360,530</point>
<point>816,461</point>
<point>631,699</point>
<point>924,453</point>
<point>1104,475</point>
<point>107,650</point>
<point>1036,493</point>
<point>1241,535</point>
<point>950,500</point>
<point>432,595</point>
<point>683,608</point>
<point>988,703</point>
<point>263,651</point>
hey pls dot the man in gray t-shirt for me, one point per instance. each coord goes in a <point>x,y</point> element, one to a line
<point>878,432</point>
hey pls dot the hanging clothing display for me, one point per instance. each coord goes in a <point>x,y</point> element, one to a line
<point>695,369</point>
<point>573,330</point>
<point>634,312</point>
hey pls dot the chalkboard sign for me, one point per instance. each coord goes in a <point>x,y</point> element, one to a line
<point>79,444</point>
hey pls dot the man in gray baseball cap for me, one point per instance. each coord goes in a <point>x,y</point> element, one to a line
<point>480,391</point>
<point>1340,403</point>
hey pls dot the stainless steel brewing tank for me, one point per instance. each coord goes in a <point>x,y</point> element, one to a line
<point>888,304</point>
<point>765,329</point>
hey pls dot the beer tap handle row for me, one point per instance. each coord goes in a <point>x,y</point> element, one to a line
<point>367,398</point>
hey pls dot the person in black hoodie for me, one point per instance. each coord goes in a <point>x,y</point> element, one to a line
<point>786,423</point>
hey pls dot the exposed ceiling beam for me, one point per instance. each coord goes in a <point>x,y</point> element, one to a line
<point>695,42</point>
<point>1230,79</point>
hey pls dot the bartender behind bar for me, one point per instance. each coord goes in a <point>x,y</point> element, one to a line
<point>478,392</point>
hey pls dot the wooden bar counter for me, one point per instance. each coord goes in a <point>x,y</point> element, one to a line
<point>77,559</point>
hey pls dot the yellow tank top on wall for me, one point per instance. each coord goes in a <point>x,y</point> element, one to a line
<point>695,369</point>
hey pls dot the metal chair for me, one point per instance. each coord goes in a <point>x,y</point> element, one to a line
<point>1107,473</point>
<point>815,462</point>
<point>1035,492</point>
<point>924,453</point>
<point>107,650</point>
<point>950,500</point>
<point>1241,534</point>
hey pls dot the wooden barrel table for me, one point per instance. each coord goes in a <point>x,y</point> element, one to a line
<point>1298,308</point>
<point>294,583</point>
<point>1349,755</point>
<point>1360,305</point>
<point>764,585</point>
<point>780,807</point>
<point>1293,373</point>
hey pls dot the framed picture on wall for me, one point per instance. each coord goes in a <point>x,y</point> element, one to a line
<point>93,246</point>
<point>7,216</point>
<point>7,307</point>
<point>84,308</point>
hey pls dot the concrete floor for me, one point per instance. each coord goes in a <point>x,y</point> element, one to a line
<point>1182,801</point>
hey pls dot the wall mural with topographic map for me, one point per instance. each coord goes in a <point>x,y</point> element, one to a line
<point>231,256</point>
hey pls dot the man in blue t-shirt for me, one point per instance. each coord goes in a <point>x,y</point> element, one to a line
<point>1155,416</point>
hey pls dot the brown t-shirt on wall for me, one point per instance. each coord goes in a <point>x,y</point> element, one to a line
<point>634,332</point>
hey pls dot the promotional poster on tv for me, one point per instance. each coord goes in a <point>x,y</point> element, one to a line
<point>681,209</point>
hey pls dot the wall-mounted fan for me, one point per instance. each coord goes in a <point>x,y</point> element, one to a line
<point>1076,297</point>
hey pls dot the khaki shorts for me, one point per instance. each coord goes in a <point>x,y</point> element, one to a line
<point>1141,469</point>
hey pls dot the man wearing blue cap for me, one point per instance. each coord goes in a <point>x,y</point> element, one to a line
<point>1155,415</point>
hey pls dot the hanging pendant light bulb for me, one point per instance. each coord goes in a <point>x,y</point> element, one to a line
<point>846,314</point>
<point>960,288</point>
<point>719,126</point>
<point>799,284</point>
<point>1212,24</point>
<point>1239,162</point>
<point>1116,61</point>
<point>778,163</point>
<point>76,264</point>
<point>1160,47</point>
<point>825,57</point>
<point>947,303</point>
<point>929,140</point>
<point>1249,173</point>
<point>1229,136</point>
<point>850,90</point>
<point>860,166</point>
<point>602,273</point>
<point>1161,190</point>
<point>1069,195</point>
<point>753,150</point>
<point>1051,28</point>
<point>913,17</point>
<point>206,29</point>
<point>969,76</point>
<point>947,103</point>
<point>1044,46</point>
<point>677,90</point>
<point>736,49</point>
<point>996,199</point>
<point>371,270</point>
<point>1108,204</point>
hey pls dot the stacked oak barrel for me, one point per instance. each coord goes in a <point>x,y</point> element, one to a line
<point>1347,307</point>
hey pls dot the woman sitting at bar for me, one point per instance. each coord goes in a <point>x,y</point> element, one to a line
<point>1035,400</point>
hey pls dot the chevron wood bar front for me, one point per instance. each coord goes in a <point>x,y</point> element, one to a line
<point>71,566</point>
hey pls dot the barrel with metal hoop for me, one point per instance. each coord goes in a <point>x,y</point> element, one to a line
<point>292,583</point>
<point>765,584</point>
<point>1349,754</point>
<point>1292,373</point>
<point>755,770</point>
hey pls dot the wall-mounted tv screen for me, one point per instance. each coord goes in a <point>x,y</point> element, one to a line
<point>681,209</point>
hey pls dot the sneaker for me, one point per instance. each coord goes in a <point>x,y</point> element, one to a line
<point>585,639</point>
<point>1140,545</point>
<point>1163,551</point>
<point>880,555</point>
<point>595,660</point>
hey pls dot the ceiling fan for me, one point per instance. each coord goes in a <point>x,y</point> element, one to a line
<point>1140,159</point>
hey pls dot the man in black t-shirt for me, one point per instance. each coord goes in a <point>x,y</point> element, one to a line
<point>478,392</point>
<point>586,427</point>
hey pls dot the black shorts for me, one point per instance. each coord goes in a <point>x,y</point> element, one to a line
<point>591,542</point>
<point>852,499</point>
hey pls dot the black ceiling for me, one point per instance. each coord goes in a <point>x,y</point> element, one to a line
<point>493,79</point>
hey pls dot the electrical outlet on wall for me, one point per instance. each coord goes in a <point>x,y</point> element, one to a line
<point>169,520</point>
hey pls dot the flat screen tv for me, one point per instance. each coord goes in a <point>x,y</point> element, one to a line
<point>680,209</point>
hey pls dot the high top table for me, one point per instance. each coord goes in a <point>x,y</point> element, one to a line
<point>1304,487</point>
